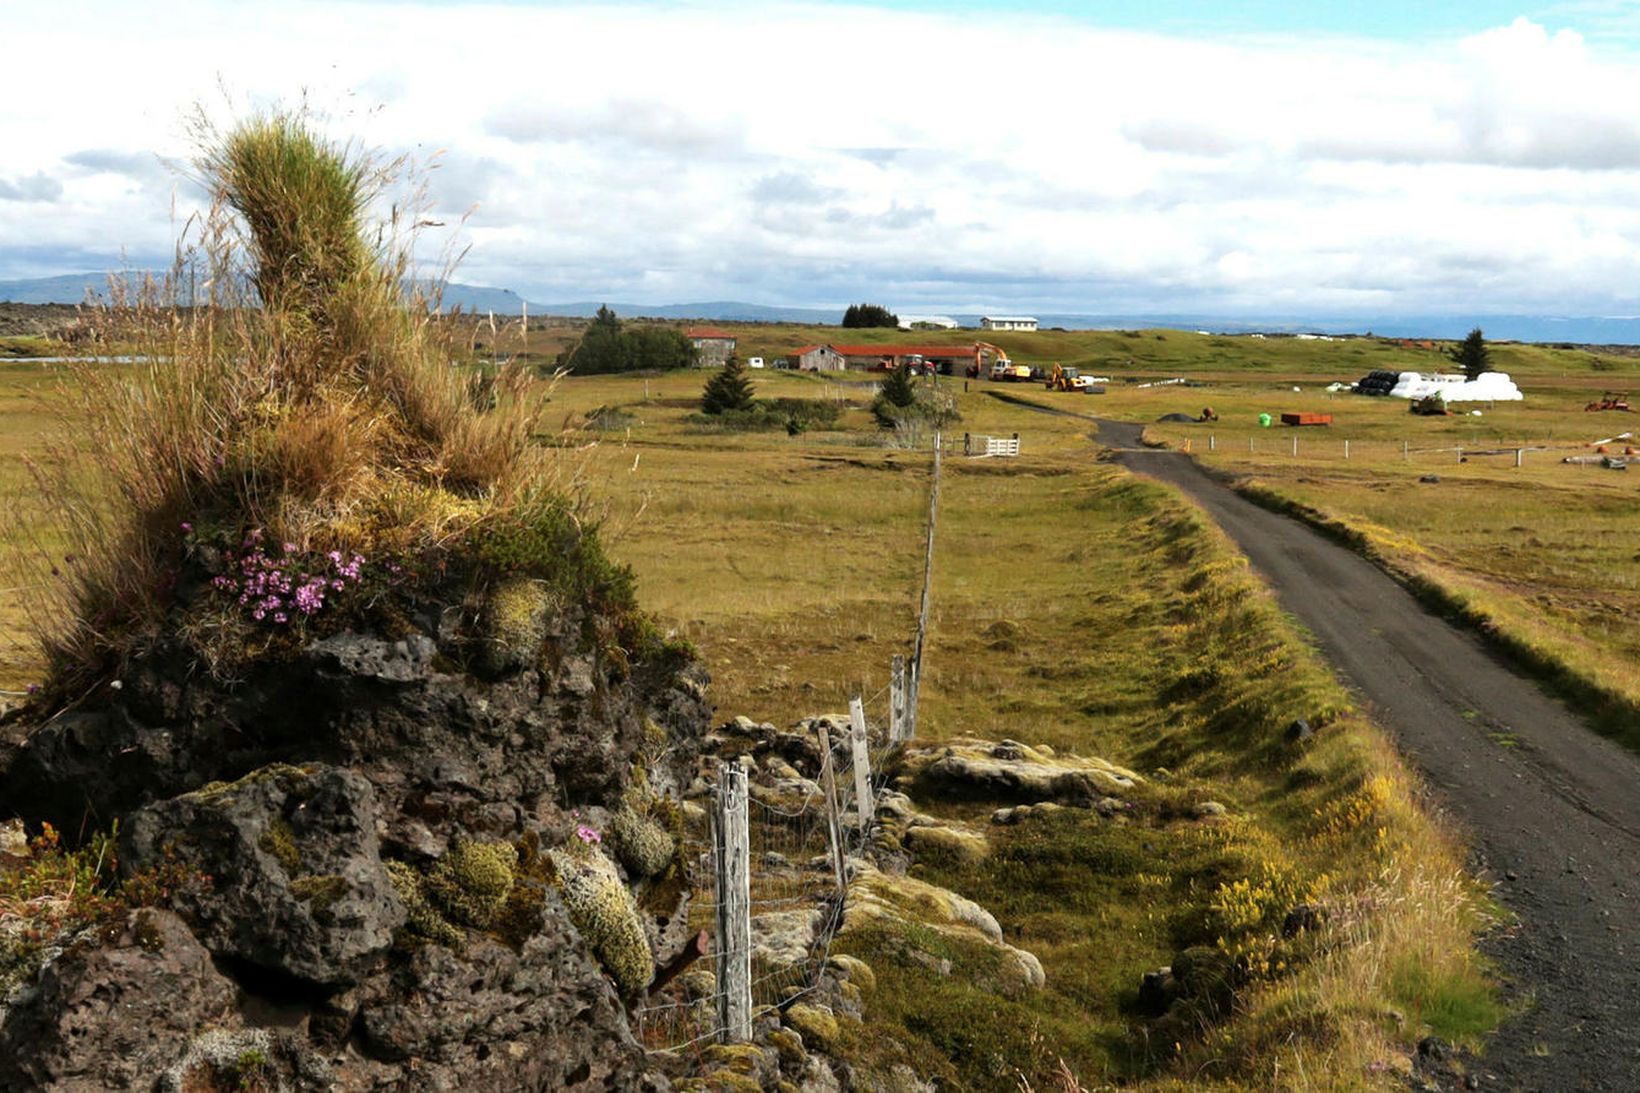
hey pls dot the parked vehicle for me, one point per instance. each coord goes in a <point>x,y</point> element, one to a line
<point>754,362</point>
<point>1063,378</point>
<point>1611,400</point>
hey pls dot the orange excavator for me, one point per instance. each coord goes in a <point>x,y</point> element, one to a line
<point>1002,368</point>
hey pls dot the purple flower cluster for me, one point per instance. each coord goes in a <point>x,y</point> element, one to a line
<point>273,587</point>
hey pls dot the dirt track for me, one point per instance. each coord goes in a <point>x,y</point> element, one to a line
<point>1552,810</point>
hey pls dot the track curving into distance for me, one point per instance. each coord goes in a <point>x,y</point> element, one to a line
<point>1554,819</point>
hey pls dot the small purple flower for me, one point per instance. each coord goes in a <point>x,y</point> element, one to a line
<point>186,526</point>
<point>33,688</point>
<point>279,616</point>
<point>290,548</point>
<point>588,834</point>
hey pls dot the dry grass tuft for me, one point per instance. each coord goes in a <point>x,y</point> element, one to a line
<point>301,396</point>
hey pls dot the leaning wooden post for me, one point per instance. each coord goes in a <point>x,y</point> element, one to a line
<point>1518,453</point>
<point>834,820</point>
<point>896,699</point>
<point>863,804</point>
<point>732,846</point>
<point>914,684</point>
<point>1346,449</point>
<point>909,725</point>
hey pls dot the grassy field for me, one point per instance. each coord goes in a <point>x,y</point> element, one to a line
<point>1078,608</point>
<point>1117,353</point>
<point>1543,553</point>
<point>27,394</point>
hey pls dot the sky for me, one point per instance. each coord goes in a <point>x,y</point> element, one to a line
<point>1240,159</point>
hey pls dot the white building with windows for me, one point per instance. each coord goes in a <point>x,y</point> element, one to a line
<point>1007,322</point>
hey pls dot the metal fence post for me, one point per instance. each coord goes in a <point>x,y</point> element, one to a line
<point>863,803</point>
<point>732,849</point>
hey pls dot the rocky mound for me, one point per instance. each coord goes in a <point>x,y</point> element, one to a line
<point>386,860</point>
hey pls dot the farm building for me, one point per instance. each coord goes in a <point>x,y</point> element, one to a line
<point>712,346</point>
<point>817,358</point>
<point>869,358</point>
<point>1007,322</point>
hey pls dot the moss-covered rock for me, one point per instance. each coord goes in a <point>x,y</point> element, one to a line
<point>280,841</point>
<point>789,1043</point>
<point>853,969</point>
<point>948,844</point>
<point>642,845</point>
<point>421,918</point>
<point>514,624</point>
<point>900,904</point>
<point>603,910</point>
<point>815,1023</point>
<point>968,768</point>
<point>469,885</point>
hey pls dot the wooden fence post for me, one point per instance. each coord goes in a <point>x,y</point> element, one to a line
<point>1403,451</point>
<point>896,699</point>
<point>1518,453</point>
<point>834,820</point>
<point>863,803</point>
<point>1346,449</point>
<point>732,848</point>
<point>914,684</point>
<point>1295,445</point>
<point>1212,443</point>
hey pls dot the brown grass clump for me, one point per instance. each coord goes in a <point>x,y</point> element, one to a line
<point>302,398</point>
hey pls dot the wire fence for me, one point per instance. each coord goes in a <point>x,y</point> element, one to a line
<point>1319,445</point>
<point>767,898</point>
<point>800,834</point>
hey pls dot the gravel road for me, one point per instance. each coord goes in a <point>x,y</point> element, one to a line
<point>1552,810</point>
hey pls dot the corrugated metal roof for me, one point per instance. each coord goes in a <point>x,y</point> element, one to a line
<point>905,350</point>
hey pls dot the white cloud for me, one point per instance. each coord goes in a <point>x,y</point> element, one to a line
<point>809,154</point>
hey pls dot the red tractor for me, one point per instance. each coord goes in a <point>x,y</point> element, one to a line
<point>1611,400</point>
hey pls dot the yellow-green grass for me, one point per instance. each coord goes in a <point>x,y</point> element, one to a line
<point>28,395</point>
<point>1120,353</point>
<point>32,345</point>
<point>1077,608</point>
<point>1542,555</point>
<point>1131,632</point>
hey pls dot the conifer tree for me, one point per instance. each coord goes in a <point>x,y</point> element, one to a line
<point>1472,355</point>
<point>730,389</point>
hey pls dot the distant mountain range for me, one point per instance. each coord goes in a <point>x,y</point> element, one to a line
<point>76,288</point>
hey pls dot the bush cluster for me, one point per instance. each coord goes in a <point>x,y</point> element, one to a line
<point>795,415</point>
<point>608,345</point>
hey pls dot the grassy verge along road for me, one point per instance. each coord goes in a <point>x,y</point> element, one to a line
<point>1552,808</point>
